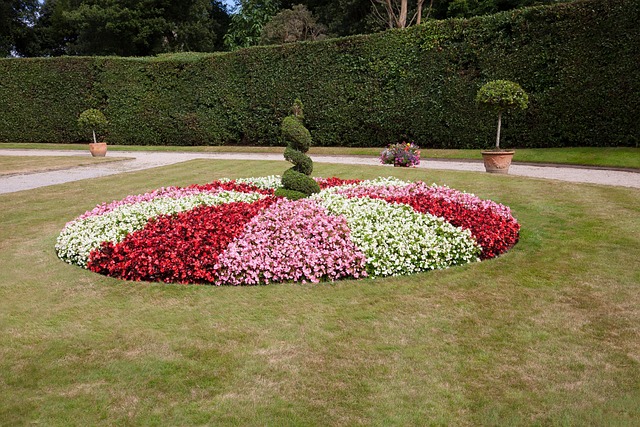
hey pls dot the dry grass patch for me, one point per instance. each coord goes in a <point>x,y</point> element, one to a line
<point>12,165</point>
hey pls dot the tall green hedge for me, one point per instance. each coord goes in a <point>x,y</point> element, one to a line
<point>578,62</point>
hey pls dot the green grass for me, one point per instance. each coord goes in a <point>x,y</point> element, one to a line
<point>622,157</point>
<point>547,334</point>
<point>28,164</point>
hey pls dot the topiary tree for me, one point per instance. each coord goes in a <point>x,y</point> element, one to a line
<point>502,96</point>
<point>296,181</point>
<point>94,120</point>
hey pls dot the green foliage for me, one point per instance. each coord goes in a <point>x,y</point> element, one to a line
<point>247,23</point>
<point>296,181</point>
<point>292,25</point>
<point>132,28</point>
<point>296,135</point>
<point>503,95</point>
<point>143,28</point>
<point>289,194</point>
<point>298,142</point>
<point>92,119</point>
<point>16,19</point>
<point>577,62</point>
<point>297,110</point>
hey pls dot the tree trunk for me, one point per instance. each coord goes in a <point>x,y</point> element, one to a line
<point>94,135</point>
<point>404,9</point>
<point>419,12</point>
<point>499,126</point>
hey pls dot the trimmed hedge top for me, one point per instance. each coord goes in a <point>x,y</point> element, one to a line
<point>577,61</point>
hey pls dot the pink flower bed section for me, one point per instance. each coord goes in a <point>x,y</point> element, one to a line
<point>296,241</point>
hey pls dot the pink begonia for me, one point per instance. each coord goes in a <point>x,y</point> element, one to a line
<point>469,201</point>
<point>291,240</point>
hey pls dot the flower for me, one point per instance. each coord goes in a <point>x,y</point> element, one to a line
<point>401,154</point>
<point>292,240</point>
<point>236,232</point>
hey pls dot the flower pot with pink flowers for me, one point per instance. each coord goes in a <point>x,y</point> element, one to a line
<point>402,154</point>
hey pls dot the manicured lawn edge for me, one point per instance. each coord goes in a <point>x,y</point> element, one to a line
<point>614,157</point>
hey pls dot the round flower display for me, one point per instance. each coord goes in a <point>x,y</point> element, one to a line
<point>237,232</point>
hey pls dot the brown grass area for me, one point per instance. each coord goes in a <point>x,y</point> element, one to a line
<point>13,165</point>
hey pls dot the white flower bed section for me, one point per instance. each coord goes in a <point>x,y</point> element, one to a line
<point>263,182</point>
<point>397,240</point>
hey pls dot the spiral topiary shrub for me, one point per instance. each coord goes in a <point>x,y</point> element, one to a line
<point>296,181</point>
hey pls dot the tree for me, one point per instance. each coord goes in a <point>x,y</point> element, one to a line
<point>397,12</point>
<point>467,8</point>
<point>53,30</point>
<point>17,18</point>
<point>94,120</point>
<point>196,25</point>
<point>502,96</point>
<point>128,27</point>
<point>246,24</point>
<point>341,17</point>
<point>292,25</point>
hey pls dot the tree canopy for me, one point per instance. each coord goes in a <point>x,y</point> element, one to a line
<point>292,25</point>
<point>16,20</point>
<point>150,27</point>
<point>124,28</point>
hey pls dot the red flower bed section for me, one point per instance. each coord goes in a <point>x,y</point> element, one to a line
<point>231,186</point>
<point>177,248</point>
<point>493,232</point>
<point>335,182</point>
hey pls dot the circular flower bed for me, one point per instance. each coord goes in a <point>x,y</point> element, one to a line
<point>237,232</point>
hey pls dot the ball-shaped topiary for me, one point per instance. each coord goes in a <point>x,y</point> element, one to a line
<point>502,96</point>
<point>94,120</point>
<point>296,180</point>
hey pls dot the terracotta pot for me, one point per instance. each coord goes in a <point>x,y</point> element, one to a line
<point>497,161</point>
<point>98,149</point>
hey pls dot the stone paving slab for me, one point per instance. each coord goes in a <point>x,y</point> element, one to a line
<point>141,160</point>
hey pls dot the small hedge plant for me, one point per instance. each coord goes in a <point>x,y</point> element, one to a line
<point>502,96</point>
<point>94,120</point>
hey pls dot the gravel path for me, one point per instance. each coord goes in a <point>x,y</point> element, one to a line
<point>147,159</point>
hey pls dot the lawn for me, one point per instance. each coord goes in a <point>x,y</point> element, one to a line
<point>616,157</point>
<point>546,334</point>
<point>10,165</point>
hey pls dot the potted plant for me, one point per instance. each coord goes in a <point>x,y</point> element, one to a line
<point>501,96</point>
<point>402,154</point>
<point>94,120</point>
